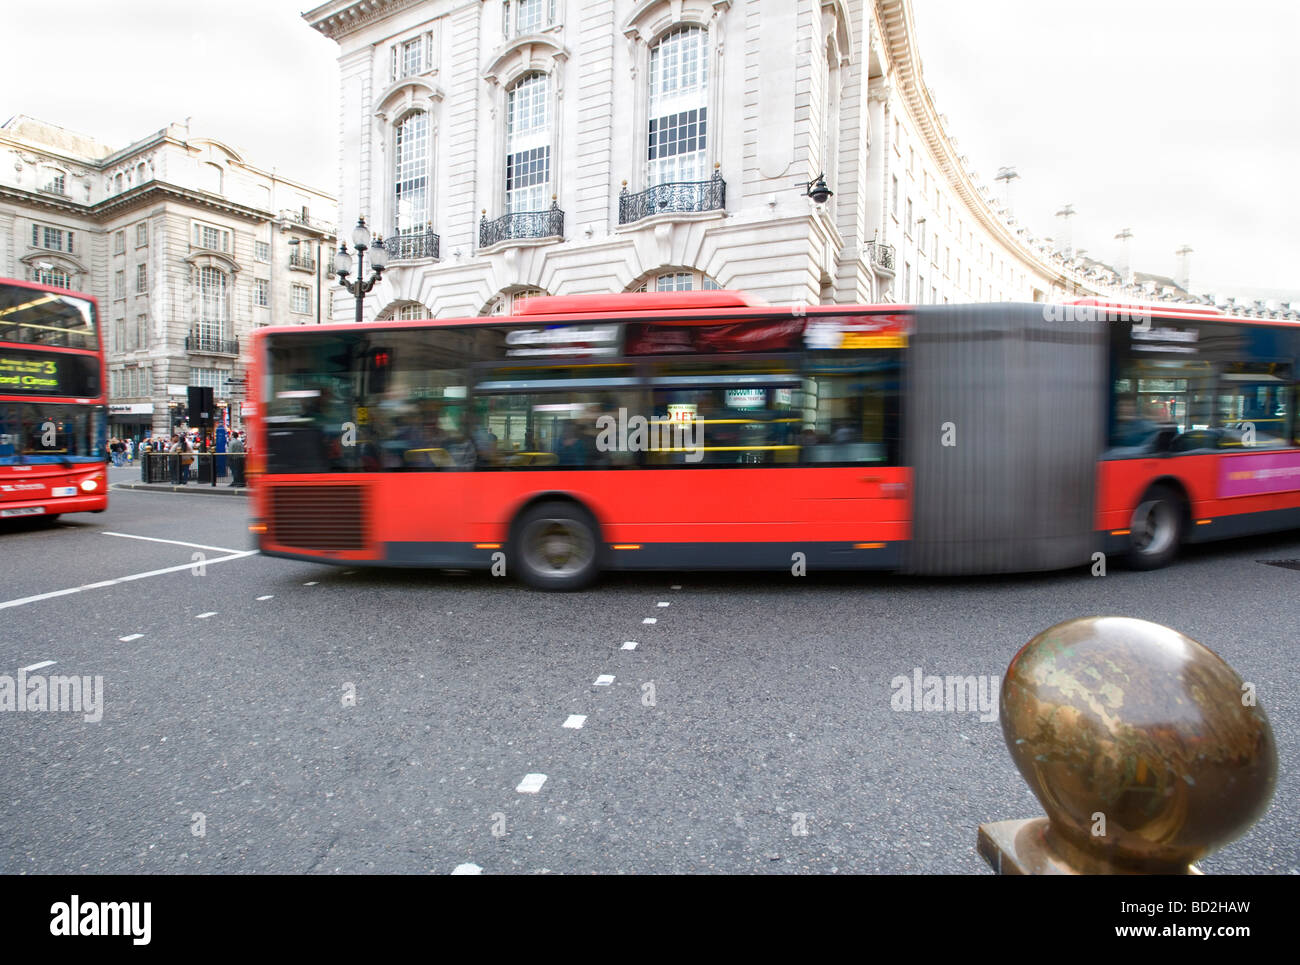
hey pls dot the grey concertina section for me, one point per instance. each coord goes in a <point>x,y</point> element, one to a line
<point>1025,399</point>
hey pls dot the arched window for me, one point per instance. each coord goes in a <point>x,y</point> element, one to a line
<point>49,275</point>
<point>677,281</point>
<point>214,305</point>
<point>409,311</point>
<point>507,303</point>
<point>528,144</point>
<point>678,116</point>
<point>411,175</point>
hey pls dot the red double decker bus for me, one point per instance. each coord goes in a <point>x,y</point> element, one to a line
<point>52,403</point>
<point>708,430</point>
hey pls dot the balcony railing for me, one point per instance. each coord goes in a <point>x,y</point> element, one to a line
<point>307,221</point>
<point>410,245</point>
<point>522,224</point>
<point>880,255</point>
<point>303,262</point>
<point>208,343</point>
<point>680,197</point>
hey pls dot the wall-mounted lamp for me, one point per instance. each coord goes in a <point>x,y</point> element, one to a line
<point>816,189</point>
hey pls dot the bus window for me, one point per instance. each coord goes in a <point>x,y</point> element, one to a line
<point>730,424</point>
<point>1251,408</point>
<point>567,428</point>
<point>850,410</point>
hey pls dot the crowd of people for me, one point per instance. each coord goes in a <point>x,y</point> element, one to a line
<point>123,451</point>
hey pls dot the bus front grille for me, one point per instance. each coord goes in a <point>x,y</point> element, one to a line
<point>318,517</point>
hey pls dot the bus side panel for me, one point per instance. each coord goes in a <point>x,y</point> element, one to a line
<point>1214,514</point>
<point>749,505</point>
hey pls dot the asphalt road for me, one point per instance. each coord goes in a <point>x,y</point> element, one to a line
<point>756,707</point>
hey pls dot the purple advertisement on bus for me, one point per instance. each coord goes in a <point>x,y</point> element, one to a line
<point>1265,472</point>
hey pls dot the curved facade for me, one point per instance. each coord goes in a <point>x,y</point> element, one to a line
<point>573,147</point>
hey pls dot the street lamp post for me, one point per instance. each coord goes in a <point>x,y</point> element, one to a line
<point>378,262</point>
<point>317,269</point>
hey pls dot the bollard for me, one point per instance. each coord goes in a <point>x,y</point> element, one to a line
<point>1144,747</point>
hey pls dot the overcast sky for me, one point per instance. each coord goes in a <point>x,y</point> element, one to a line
<point>1179,119</point>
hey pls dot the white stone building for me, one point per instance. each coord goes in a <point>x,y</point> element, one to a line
<point>185,244</point>
<point>569,146</point>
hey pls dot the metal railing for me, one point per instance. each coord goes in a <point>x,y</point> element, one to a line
<point>208,343</point>
<point>304,261</point>
<point>298,218</point>
<point>522,224</point>
<point>673,197</point>
<point>880,255</point>
<point>183,468</point>
<point>411,245</point>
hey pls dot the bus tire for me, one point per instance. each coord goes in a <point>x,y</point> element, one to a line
<point>555,545</point>
<point>1156,528</point>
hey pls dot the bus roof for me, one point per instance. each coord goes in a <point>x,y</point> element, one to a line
<point>638,302</point>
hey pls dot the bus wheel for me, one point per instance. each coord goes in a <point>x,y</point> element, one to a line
<point>556,546</point>
<point>1156,529</point>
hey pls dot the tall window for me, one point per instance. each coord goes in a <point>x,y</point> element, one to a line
<point>119,243</point>
<point>213,305</point>
<point>141,279</point>
<point>300,300</point>
<point>528,144</point>
<point>411,174</point>
<point>142,234</point>
<point>679,91</point>
<point>526,16</point>
<point>261,292</point>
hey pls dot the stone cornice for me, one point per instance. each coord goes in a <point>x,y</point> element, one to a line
<point>148,193</point>
<point>339,18</point>
<point>898,36</point>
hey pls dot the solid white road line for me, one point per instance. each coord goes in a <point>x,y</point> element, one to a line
<point>531,784</point>
<point>604,680</point>
<point>629,645</point>
<point>37,666</point>
<point>131,636</point>
<point>123,579</point>
<point>174,542</point>
<point>575,721</point>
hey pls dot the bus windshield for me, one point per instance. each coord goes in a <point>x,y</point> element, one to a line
<point>37,433</point>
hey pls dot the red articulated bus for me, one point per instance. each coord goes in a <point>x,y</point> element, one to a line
<point>52,403</point>
<point>709,430</point>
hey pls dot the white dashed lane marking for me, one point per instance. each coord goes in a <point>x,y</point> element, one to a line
<point>311,583</point>
<point>467,869</point>
<point>531,784</point>
<point>575,721</point>
<point>649,620</point>
<point>204,616</point>
<point>630,645</point>
<point>663,604</point>
<point>604,680</point>
<point>267,597</point>
<point>677,586</point>
<point>131,636</point>
<point>37,666</point>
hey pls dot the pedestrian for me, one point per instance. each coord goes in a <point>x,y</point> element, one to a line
<point>130,451</point>
<point>236,460</point>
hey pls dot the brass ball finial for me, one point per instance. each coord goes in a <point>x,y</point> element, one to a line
<point>1145,748</point>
